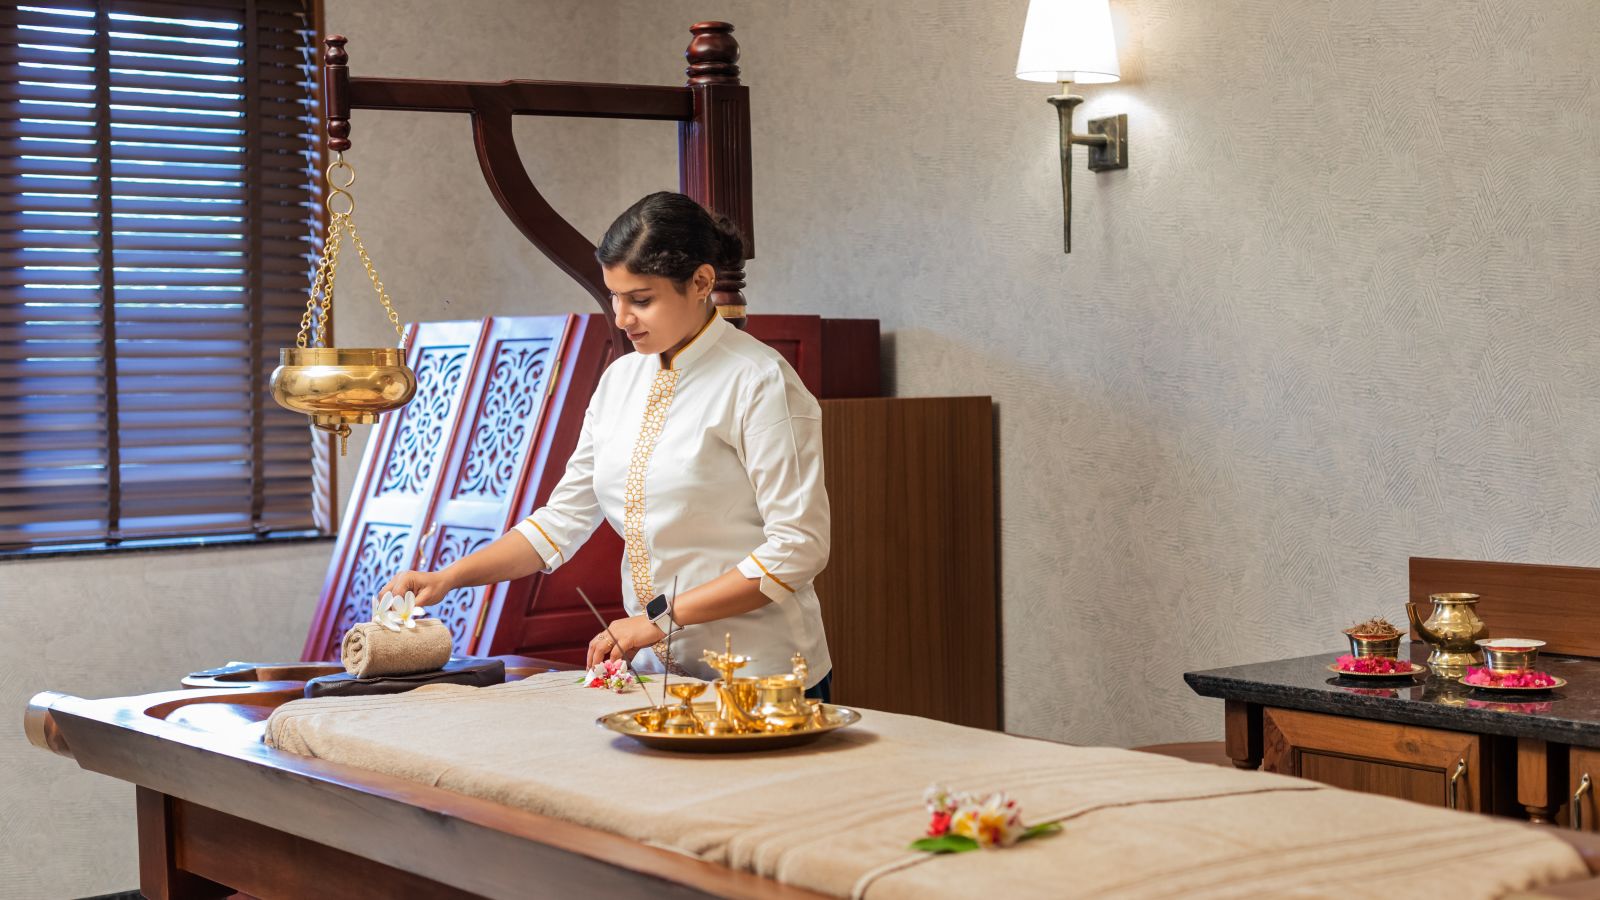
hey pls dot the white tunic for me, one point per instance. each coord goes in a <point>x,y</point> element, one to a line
<point>709,464</point>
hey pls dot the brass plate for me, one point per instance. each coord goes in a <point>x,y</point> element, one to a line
<point>1560,682</point>
<point>623,723</point>
<point>1415,670</point>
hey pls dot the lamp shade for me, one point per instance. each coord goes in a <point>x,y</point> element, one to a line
<point>1068,40</point>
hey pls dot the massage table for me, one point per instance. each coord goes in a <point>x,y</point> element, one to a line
<point>220,811</point>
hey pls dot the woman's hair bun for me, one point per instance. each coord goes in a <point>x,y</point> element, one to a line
<point>670,235</point>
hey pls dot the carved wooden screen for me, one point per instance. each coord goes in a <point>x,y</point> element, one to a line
<point>504,408</point>
<point>498,407</point>
<point>396,484</point>
<point>542,615</point>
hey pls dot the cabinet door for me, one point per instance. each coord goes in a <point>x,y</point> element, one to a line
<point>1428,765</point>
<point>1583,763</point>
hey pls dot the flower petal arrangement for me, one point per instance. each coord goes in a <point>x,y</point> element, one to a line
<point>613,675</point>
<point>959,821</point>
<point>1374,665</point>
<point>1481,676</point>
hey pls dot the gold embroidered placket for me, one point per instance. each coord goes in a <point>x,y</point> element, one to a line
<point>655,416</point>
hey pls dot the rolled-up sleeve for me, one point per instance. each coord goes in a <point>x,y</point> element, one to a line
<point>557,529</point>
<point>782,444</point>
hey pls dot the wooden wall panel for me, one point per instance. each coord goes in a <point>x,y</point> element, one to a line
<point>910,597</point>
<point>1556,604</point>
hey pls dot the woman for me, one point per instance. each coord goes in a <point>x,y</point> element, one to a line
<point>703,450</point>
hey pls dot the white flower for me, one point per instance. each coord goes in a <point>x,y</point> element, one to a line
<point>397,611</point>
<point>994,822</point>
<point>611,675</point>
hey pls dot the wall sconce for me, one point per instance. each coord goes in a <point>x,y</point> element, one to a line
<point>1070,41</point>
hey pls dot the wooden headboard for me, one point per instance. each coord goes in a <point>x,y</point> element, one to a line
<point>712,111</point>
<point>1556,604</point>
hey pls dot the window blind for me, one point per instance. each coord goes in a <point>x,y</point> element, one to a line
<point>159,220</point>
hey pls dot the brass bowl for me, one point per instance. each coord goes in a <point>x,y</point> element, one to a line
<point>341,387</point>
<point>1363,646</point>
<point>1505,656</point>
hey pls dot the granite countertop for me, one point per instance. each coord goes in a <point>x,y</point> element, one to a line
<point>1568,715</point>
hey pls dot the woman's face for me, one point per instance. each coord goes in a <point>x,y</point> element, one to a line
<point>658,314</point>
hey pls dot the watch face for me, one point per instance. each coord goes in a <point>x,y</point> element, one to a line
<point>656,608</point>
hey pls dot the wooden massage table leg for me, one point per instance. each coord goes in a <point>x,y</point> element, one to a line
<point>178,840</point>
<point>161,876</point>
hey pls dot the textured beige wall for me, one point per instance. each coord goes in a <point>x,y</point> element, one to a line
<point>1336,314</point>
<point>1339,310</point>
<point>108,626</point>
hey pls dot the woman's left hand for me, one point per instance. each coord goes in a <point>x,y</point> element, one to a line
<point>635,634</point>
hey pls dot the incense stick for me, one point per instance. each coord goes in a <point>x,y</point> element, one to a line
<point>672,626</point>
<point>618,644</point>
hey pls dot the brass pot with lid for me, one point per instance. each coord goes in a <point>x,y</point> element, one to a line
<point>1452,629</point>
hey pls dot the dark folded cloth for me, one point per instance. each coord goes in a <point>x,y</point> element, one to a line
<point>474,672</point>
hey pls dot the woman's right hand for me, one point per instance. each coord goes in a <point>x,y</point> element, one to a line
<point>428,587</point>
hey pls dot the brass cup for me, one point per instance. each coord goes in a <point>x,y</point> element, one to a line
<point>338,387</point>
<point>1363,646</point>
<point>1506,656</point>
<point>651,719</point>
<point>681,719</point>
<point>781,702</point>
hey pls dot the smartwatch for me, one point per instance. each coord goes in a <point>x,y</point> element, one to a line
<point>657,612</point>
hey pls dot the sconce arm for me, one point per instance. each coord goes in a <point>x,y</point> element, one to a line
<point>1108,150</point>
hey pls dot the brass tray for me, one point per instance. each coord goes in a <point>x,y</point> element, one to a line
<point>623,723</point>
<point>1416,669</point>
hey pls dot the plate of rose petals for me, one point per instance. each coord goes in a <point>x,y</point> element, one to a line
<point>1489,680</point>
<point>1375,667</point>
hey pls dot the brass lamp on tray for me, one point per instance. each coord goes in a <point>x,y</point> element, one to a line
<point>749,713</point>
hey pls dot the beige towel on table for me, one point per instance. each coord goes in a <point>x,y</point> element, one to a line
<point>836,816</point>
<point>370,650</point>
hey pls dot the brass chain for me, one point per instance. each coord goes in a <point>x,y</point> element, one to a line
<point>319,303</point>
<point>383,295</point>
<point>321,297</point>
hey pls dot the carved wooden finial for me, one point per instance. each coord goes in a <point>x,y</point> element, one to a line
<point>336,81</point>
<point>713,54</point>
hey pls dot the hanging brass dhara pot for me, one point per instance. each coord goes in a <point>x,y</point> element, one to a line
<point>339,387</point>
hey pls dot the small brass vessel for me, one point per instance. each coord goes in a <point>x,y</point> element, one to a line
<point>1365,646</point>
<point>1509,656</point>
<point>1453,629</point>
<point>681,719</point>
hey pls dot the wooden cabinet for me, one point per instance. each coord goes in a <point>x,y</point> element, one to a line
<point>1428,765</point>
<point>911,583</point>
<point>1585,812</point>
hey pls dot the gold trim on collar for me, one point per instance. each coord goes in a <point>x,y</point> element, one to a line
<point>685,349</point>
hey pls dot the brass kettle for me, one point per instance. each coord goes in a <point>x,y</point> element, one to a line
<point>1451,629</point>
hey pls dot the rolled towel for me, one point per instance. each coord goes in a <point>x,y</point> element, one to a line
<point>369,649</point>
